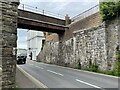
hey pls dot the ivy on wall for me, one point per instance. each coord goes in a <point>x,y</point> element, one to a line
<point>109,10</point>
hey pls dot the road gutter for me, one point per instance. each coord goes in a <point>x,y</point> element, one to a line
<point>80,70</point>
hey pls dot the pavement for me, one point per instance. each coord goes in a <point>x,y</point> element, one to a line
<point>53,76</point>
<point>25,80</point>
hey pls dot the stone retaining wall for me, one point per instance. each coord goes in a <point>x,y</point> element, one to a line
<point>112,41</point>
<point>49,53</point>
<point>0,46</point>
<point>94,45</point>
<point>90,47</point>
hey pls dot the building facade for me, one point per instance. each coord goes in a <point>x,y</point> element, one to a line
<point>35,40</point>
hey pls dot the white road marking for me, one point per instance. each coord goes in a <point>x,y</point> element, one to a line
<point>30,64</point>
<point>88,84</point>
<point>39,67</point>
<point>55,73</point>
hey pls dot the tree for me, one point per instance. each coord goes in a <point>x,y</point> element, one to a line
<point>109,10</point>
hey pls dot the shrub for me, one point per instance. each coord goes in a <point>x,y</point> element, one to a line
<point>78,65</point>
<point>109,10</point>
<point>92,66</point>
<point>117,65</point>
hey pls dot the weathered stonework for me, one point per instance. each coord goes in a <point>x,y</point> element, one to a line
<point>0,46</point>
<point>112,41</point>
<point>67,55</point>
<point>8,41</point>
<point>52,56</point>
<point>92,45</point>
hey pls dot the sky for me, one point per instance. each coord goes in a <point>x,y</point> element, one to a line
<point>55,8</point>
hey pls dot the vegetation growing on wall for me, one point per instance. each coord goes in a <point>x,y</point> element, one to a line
<point>109,10</point>
<point>78,65</point>
<point>92,66</point>
<point>115,72</point>
<point>117,64</point>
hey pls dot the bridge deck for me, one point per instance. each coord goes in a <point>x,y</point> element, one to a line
<point>39,22</point>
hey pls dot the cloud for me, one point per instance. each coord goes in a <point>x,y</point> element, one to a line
<point>55,7</point>
<point>70,8</point>
<point>61,7</point>
<point>22,38</point>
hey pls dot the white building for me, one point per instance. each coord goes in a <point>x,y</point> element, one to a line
<point>34,43</point>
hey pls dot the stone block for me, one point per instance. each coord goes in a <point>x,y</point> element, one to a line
<point>9,40</point>
<point>7,52</point>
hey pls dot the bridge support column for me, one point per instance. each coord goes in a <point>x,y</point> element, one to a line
<point>61,56</point>
<point>8,42</point>
<point>60,50</point>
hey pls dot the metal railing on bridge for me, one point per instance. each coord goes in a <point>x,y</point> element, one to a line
<point>40,11</point>
<point>86,13</point>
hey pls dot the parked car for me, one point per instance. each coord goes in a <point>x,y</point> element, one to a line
<point>21,59</point>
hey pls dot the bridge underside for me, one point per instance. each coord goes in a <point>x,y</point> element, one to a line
<point>26,23</point>
<point>39,22</point>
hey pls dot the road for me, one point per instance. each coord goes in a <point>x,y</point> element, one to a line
<point>60,77</point>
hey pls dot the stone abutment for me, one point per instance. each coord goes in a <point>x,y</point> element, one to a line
<point>8,42</point>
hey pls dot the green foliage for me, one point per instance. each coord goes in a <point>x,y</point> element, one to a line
<point>78,65</point>
<point>92,66</point>
<point>116,72</point>
<point>117,65</point>
<point>106,72</point>
<point>109,10</point>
